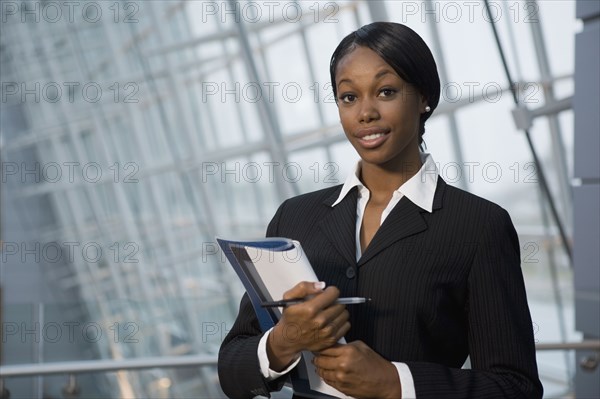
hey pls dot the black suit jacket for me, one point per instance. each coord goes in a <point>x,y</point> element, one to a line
<point>443,285</point>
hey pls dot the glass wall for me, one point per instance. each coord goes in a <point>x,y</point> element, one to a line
<point>134,132</point>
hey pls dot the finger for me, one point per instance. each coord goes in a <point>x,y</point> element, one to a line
<point>339,317</point>
<point>329,376</point>
<point>343,330</point>
<point>332,315</point>
<point>323,363</point>
<point>325,299</point>
<point>331,320</point>
<point>360,345</point>
<point>316,304</point>
<point>332,351</point>
<point>304,289</point>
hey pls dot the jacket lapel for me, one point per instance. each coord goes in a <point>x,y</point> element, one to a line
<point>404,220</point>
<point>339,225</point>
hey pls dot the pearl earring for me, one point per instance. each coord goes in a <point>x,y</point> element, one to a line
<point>427,108</point>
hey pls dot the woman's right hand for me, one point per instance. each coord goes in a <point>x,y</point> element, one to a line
<point>313,325</point>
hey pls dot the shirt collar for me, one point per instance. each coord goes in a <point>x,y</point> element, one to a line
<point>420,189</point>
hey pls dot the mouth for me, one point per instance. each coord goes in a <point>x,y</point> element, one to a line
<point>372,137</point>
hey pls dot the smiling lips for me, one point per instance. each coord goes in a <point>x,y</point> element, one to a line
<point>372,137</point>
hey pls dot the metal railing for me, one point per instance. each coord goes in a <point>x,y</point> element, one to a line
<point>93,366</point>
<point>592,344</point>
<point>588,362</point>
<point>71,368</point>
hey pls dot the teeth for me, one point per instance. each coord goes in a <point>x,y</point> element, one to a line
<point>373,136</point>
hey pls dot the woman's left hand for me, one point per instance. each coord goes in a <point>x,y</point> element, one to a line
<point>358,371</point>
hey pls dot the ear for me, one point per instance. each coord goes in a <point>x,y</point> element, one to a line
<point>422,104</point>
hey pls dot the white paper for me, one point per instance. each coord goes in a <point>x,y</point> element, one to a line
<point>280,271</point>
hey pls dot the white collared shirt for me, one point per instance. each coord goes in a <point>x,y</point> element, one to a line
<point>420,190</point>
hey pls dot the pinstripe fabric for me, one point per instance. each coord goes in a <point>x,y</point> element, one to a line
<point>443,285</point>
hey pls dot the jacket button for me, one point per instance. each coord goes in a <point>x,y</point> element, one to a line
<point>350,272</point>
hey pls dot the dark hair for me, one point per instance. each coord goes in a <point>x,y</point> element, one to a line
<point>404,50</point>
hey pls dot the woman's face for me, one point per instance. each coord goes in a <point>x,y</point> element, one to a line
<point>378,110</point>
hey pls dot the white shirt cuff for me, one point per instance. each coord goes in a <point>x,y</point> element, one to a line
<point>263,360</point>
<point>406,380</point>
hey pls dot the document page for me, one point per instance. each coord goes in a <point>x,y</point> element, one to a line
<point>279,272</point>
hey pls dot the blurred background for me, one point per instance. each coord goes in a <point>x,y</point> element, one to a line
<point>134,132</point>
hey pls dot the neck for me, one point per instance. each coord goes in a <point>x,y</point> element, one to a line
<point>383,180</point>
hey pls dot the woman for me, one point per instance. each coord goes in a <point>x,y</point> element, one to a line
<point>441,266</point>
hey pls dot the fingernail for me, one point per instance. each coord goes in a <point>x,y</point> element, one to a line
<point>320,285</point>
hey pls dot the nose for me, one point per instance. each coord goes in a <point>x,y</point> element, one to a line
<point>368,111</point>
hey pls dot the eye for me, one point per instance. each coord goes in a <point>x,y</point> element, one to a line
<point>387,92</point>
<point>347,98</point>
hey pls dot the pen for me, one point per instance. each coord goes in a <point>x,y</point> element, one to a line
<point>295,301</point>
